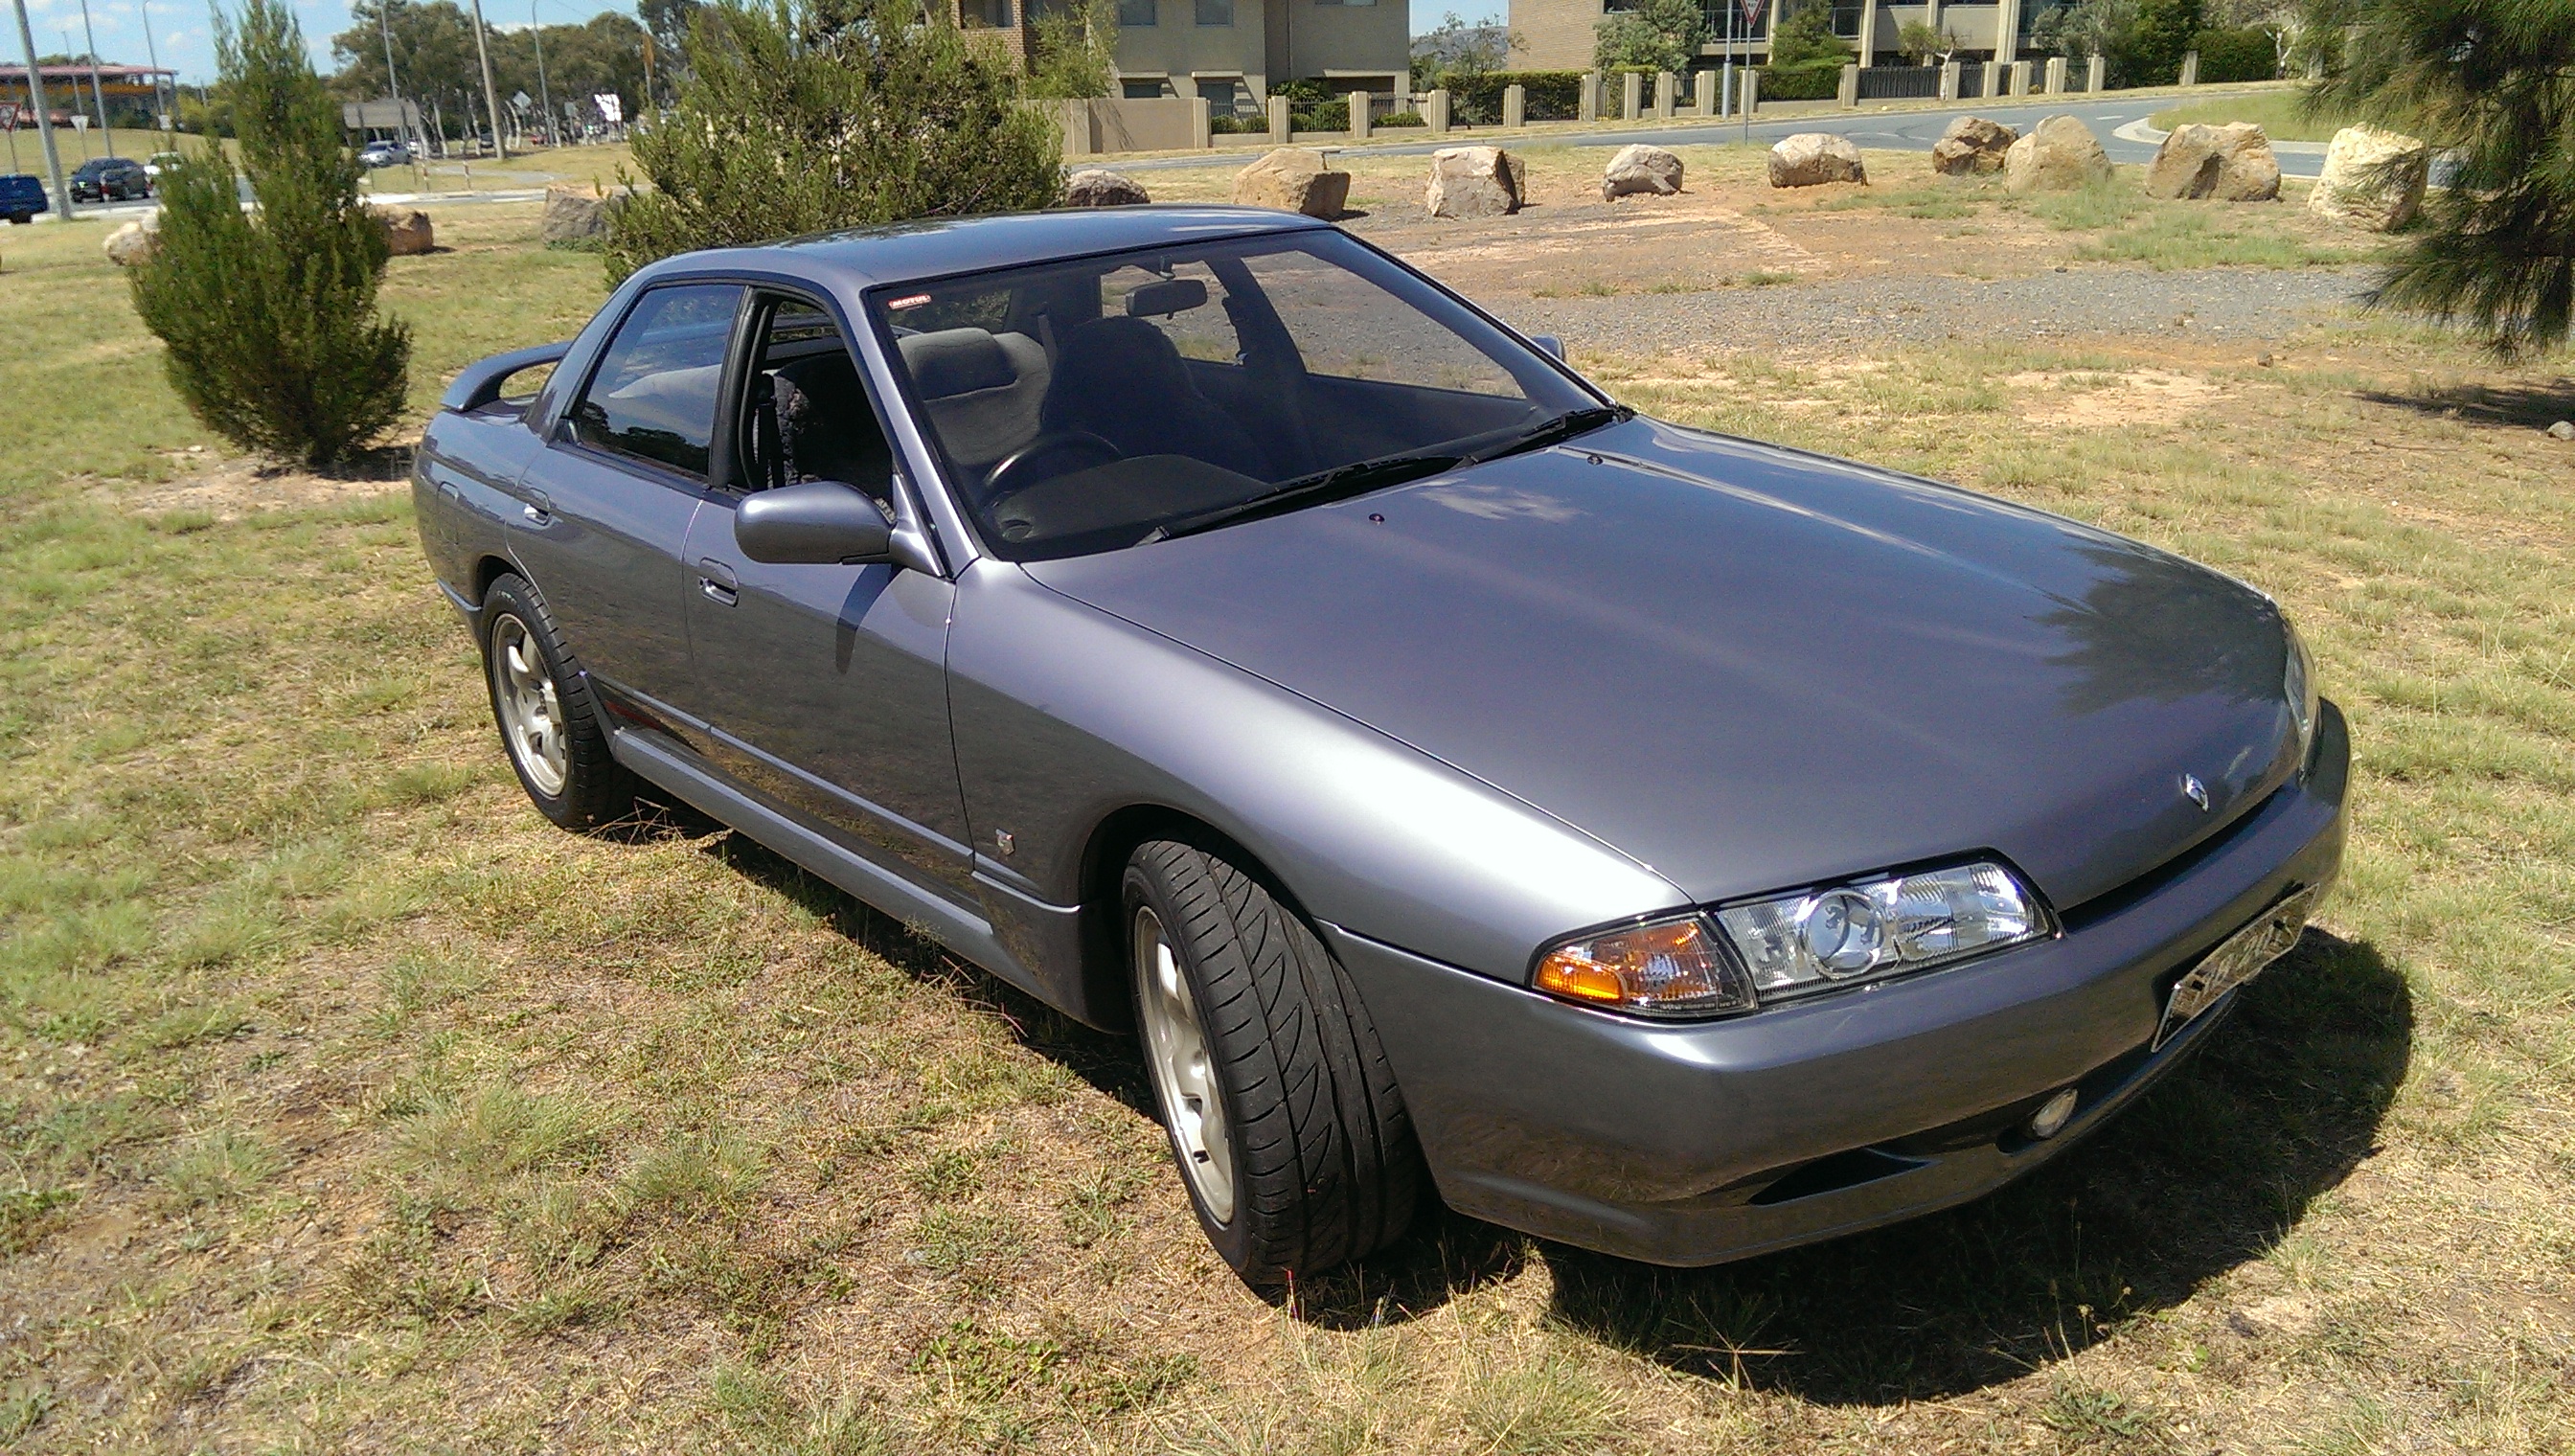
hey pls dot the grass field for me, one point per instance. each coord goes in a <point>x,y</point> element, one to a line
<point>2284,116</point>
<point>348,1106</point>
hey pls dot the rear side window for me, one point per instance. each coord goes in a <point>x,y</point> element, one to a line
<point>654,394</point>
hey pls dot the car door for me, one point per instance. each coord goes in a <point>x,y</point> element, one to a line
<point>606,505</point>
<point>826,687</point>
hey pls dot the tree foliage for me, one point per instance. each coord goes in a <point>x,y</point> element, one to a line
<point>831,114</point>
<point>2493,81</point>
<point>1655,35</point>
<point>2140,42</point>
<point>1074,50</point>
<point>270,317</point>
<point>1923,44</point>
<point>434,59</point>
<point>1806,58</point>
<point>1452,49</point>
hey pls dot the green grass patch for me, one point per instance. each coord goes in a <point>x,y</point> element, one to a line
<point>2284,116</point>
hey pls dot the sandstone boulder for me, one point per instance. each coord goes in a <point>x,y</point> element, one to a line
<point>1100,187</point>
<point>2060,153</point>
<point>1473,182</point>
<point>1811,159</point>
<point>135,243</point>
<point>406,230</point>
<point>577,215</point>
<point>2232,162</point>
<point>2372,179</point>
<point>1971,145</point>
<point>1642,169</point>
<point>1293,179</point>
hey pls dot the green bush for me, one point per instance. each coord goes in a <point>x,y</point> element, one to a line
<point>1400,118</point>
<point>1811,82</point>
<point>1650,36</point>
<point>270,317</point>
<point>1552,95</point>
<point>825,114</point>
<point>1328,116</point>
<point>2237,55</point>
<point>1230,125</point>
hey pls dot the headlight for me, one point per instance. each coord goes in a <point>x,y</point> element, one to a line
<point>2298,685</point>
<point>1668,967</point>
<point>1796,943</point>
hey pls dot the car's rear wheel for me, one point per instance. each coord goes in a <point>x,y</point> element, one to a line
<point>547,720</point>
<point>1284,1118</point>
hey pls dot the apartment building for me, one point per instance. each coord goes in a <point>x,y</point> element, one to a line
<point>1556,35</point>
<point>1233,51</point>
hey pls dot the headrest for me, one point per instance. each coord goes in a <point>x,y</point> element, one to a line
<point>955,362</point>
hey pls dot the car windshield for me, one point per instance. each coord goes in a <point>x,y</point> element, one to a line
<point>1091,405</point>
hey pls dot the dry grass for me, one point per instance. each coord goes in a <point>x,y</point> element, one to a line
<point>348,1106</point>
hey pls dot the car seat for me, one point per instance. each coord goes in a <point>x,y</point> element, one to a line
<point>828,429</point>
<point>1122,378</point>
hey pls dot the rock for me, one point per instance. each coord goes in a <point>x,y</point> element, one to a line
<point>1810,159</point>
<point>1473,182</point>
<point>1293,179</point>
<point>1642,169</point>
<point>2232,162</point>
<point>1971,145</point>
<point>577,215</point>
<point>1100,187</point>
<point>2060,153</point>
<point>2562,430</point>
<point>406,230</point>
<point>134,244</point>
<point>2372,179</point>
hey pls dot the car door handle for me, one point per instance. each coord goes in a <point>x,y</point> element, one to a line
<point>718,581</point>
<point>539,508</point>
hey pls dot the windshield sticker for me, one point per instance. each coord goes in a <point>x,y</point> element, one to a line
<point>908,301</point>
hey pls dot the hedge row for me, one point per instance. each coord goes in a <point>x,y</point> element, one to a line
<point>2236,55</point>
<point>1552,95</point>
<point>1813,81</point>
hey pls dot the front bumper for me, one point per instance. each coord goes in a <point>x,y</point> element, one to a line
<point>1701,1142</point>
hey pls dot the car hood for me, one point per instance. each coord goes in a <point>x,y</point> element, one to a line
<point>1753,668</point>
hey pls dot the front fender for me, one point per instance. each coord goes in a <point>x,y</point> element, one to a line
<point>1066,714</point>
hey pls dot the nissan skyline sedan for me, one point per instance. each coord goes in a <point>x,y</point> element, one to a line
<point>1643,838</point>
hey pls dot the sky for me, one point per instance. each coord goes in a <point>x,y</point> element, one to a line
<point>179,27</point>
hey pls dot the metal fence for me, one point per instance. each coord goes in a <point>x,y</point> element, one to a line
<point>1880,83</point>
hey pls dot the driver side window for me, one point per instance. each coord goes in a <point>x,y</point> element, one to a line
<point>810,416</point>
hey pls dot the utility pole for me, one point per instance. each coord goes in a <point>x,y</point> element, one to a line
<point>44,117</point>
<point>491,93</point>
<point>647,77</point>
<point>96,91</point>
<point>160,113</point>
<point>544,97</point>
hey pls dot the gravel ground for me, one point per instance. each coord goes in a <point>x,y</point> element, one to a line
<point>2213,303</point>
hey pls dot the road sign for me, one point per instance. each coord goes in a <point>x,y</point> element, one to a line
<point>1752,14</point>
<point>611,109</point>
<point>519,102</point>
<point>8,116</point>
<point>367,116</point>
<point>79,121</point>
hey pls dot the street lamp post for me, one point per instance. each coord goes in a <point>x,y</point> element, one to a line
<point>44,117</point>
<point>491,93</point>
<point>96,91</point>
<point>545,96</point>
<point>152,49</point>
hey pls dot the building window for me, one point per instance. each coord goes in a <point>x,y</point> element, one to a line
<point>1134,12</point>
<point>1346,2</point>
<point>1216,12</point>
<point>1145,90</point>
<point>1221,96</point>
<point>995,13</point>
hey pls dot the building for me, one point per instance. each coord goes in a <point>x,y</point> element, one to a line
<point>1233,51</point>
<point>135,94</point>
<point>1556,35</point>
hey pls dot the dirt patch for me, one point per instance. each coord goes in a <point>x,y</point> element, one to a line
<point>232,491</point>
<point>2084,399</point>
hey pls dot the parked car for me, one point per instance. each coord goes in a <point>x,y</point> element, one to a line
<point>159,163</point>
<point>22,197</point>
<point>1661,841</point>
<point>105,178</point>
<point>383,154</point>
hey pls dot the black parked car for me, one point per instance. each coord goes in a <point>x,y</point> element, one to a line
<point>111,179</point>
<point>22,197</point>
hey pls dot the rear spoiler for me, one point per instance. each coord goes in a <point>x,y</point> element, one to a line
<point>481,382</point>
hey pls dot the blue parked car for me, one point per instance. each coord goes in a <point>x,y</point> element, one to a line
<point>22,197</point>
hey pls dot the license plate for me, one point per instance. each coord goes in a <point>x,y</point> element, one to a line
<point>2237,960</point>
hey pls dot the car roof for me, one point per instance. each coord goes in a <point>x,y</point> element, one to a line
<point>938,247</point>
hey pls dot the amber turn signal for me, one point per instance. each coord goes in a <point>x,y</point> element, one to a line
<point>1662,969</point>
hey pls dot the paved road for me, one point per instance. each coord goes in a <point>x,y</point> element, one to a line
<point>1906,131</point>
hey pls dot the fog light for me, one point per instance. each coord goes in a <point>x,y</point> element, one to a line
<point>2052,1114</point>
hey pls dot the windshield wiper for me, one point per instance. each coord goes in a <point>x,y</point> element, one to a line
<point>1368,475</point>
<point>1555,432</point>
<point>1330,485</point>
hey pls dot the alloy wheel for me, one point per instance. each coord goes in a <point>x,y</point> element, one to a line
<point>531,714</point>
<point>1183,1073</point>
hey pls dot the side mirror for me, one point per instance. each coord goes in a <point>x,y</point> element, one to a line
<point>819,523</point>
<point>1549,345</point>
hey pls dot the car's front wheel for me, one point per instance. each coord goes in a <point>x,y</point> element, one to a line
<point>547,716</point>
<point>1282,1113</point>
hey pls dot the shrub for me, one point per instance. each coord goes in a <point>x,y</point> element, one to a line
<point>1811,82</point>
<point>270,317</point>
<point>1650,35</point>
<point>1399,118</point>
<point>1552,95</point>
<point>1076,50</point>
<point>2248,54</point>
<point>825,114</point>
<point>1328,116</point>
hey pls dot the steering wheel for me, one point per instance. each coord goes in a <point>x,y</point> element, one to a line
<point>1084,449</point>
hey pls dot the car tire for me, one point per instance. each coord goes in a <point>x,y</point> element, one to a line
<point>549,720</point>
<point>1308,1159</point>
